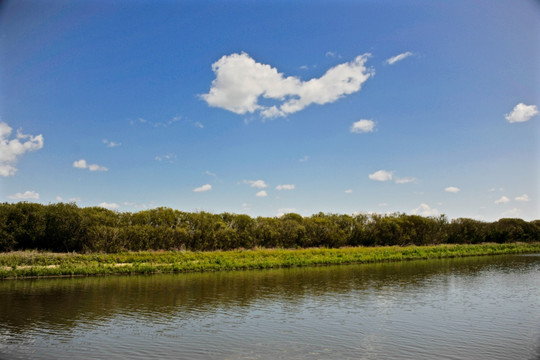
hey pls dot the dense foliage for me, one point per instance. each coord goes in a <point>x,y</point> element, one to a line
<point>65,227</point>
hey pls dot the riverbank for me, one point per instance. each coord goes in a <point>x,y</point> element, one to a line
<point>25,264</point>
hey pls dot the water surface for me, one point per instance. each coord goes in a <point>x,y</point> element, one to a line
<point>472,308</point>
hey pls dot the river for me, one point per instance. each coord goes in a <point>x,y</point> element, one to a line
<point>470,308</point>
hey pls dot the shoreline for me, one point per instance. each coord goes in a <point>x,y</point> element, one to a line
<point>34,264</point>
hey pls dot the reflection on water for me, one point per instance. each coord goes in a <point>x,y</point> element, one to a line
<point>482,308</point>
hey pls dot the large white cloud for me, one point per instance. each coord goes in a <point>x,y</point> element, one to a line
<point>363,126</point>
<point>395,59</point>
<point>10,150</point>
<point>240,82</point>
<point>522,113</point>
<point>82,164</point>
<point>29,194</point>
<point>381,175</point>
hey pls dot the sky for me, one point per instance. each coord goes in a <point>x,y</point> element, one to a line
<point>270,107</point>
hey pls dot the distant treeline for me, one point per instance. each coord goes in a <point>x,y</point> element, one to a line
<point>66,227</point>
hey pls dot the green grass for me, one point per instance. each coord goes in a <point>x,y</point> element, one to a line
<point>35,264</point>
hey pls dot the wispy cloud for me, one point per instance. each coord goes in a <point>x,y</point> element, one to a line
<point>110,206</point>
<point>240,82</point>
<point>27,195</point>
<point>452,189</point>
<point>405,180</point>
<point>425,210</point>
<point>210,173</point>
<point>82,164</point>
<point>502,200</point>
<point>523,198</point>
<point>11,150</point>
<point>395,59</point>
<point>286,187</point>
<point>111,143</point>
<point>363,126</point>
<point>348,191</point>
<point>259,184</point>
<point>204,188</point>
<point>522,113</point>
<point>304,159</point>
<point>166,158</point>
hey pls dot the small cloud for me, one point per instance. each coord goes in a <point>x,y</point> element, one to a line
<point>348,191</point>
<point>246,206</point>
<point>304,67</point>
<point>502,200</point>
<point>333,54</point>
<point>30,194</point>
<point>383,204</point>
<point>110,206</point>
<point>261,193</point>
<point>425,210</point>
<point>381,175</point>
<point>198,124</point>
<point>511,212</point>
<point>284,211</point>
<point>452,189</point>
<point>75,199</point>
<point>59,199</point>
<point>523,198</point>
<point>522,113</point>
<point>210,173</point>
<point>167,158</point>
<point>82,164</point>
<point>11,150</point>
<point>111,143</point>
<point>405,180</point>
<point>205,187</point>
<point>304,159</point>
<point>259,184</point>
<point>395,59</point>
<point>362,126</point>
<point>285,187</point>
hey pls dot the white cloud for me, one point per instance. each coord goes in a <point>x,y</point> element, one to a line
<point>522,113</point>
<point>286,187</point>
<point>259,184</point>
<point>523,198</point>
<point>210,173</point>
<point>110,206</point>
<point>348,191</point>
<point>383,204</point>
<point>29,194</point>
<point>511,212</point>
<point>405,180</point>
<point>284,211</point>
<point>10,150</point>
<point>205,187</point>
<point>363,126</point>
<point>425,210</point>
<point>261,193</point>
<point>304,159</point>
<point>198,124</point>
<point>452,189</point>
<point>395,59</point>
<point>502,200</point>
<point>381,175</point>
<point>82,164</point>
<point>59,199</point>
<point>240,81</point>
<point>111,143</point>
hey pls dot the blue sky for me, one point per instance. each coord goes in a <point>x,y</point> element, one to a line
<point>271,107</point>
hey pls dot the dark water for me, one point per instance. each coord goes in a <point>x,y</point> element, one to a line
<point>474,308</point>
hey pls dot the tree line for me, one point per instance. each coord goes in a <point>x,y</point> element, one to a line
<point>65,227</point>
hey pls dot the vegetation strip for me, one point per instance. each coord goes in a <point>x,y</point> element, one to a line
<point>36,264</point>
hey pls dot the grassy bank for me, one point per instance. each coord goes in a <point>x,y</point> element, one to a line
<point>34,264</point>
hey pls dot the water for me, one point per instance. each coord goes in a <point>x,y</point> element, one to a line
<point>473,308</point>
